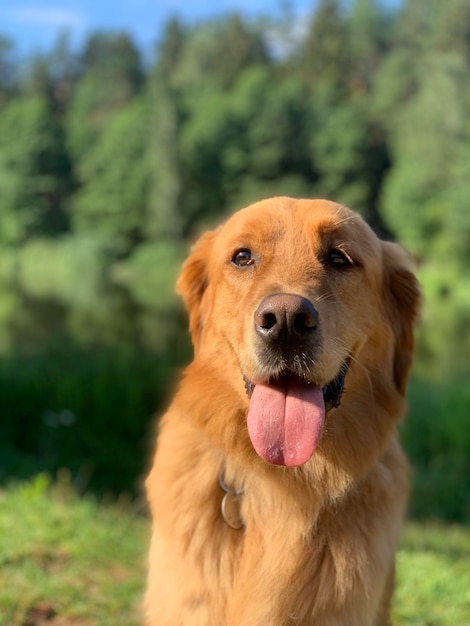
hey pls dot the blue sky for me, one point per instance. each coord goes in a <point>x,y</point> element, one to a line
<point>34,24</point>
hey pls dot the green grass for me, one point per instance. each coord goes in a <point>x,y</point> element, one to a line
<point>433,576</point>
<point>70,557</point>
<point>84,562</point>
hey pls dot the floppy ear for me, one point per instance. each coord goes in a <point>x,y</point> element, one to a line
<point>193,282</point>
<point>402,299</point>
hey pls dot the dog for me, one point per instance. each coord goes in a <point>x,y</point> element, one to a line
<point>278,487</point>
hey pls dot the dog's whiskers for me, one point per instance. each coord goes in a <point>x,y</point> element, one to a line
<point>327,297</point>
<point>345,218</point>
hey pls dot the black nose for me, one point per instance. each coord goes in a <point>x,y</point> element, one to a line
<point>285,317</point>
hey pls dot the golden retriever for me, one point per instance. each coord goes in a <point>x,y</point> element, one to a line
<point>278,486</point>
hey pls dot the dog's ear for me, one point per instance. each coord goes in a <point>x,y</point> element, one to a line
<point>402,299</point>
<point>193,282</point>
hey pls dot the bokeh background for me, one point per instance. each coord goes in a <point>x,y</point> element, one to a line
<point>126,128</point>
<point>124,134</point>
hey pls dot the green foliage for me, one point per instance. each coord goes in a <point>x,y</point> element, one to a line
<point>324,58</point>
<point>431,132</point>
<point>273,118</point>
<point>443,338</point>
<point>110,79</point>
<point>112,200</point>
<point>339,149</point>
<point>34,171</point>
<point>85,409</point>
<point>214,54</point>
<point>164,217</point>
<point>150,275</point>
<point>6,66</point>
<point>437,439</point>
<point>109,166</point>
<point>68,268</point>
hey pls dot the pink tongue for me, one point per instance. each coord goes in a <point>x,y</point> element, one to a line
<point>285,421</point>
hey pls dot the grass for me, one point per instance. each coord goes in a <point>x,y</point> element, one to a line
<point>433,576</point>
<point>69,561</point>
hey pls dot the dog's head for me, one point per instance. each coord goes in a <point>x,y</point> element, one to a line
<point>287,299</point>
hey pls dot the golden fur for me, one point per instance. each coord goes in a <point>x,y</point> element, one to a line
<point>318,542</point>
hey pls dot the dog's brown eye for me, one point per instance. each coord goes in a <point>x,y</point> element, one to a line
<point>243,258</point>
<point>338,259</point>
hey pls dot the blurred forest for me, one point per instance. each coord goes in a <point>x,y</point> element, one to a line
<point>111,163</point>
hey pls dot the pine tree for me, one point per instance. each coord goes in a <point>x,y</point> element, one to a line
<point>35,171</point>
<point>110,78</point>
<point>326,57</point>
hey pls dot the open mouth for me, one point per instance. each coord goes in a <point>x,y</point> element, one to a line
<point>286,416</point>
<point>332,391</point>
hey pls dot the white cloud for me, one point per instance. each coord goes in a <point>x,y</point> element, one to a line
<point>48,16</point>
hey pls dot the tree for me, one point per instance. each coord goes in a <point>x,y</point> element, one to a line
<point>164,217</point>
<point>429,151</point>
<point>164,211</point>
<point>216,53</point>
<point>269,148</point>
<point>64,70</point>
<point>35,171</point>
<point>347,146</point>
<point>343,153</point>
<point>325,58</point>
<point>114,174</point>
<point>170,48</point>
<point>193,126</point>
<point>237,48</point>
<point>452,31</point>
<point>367,37</point>
<point>110,78</point>
<point>7,70</point>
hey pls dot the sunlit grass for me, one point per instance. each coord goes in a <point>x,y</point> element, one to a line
<point>69,557</point>
<point>433,576</point>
